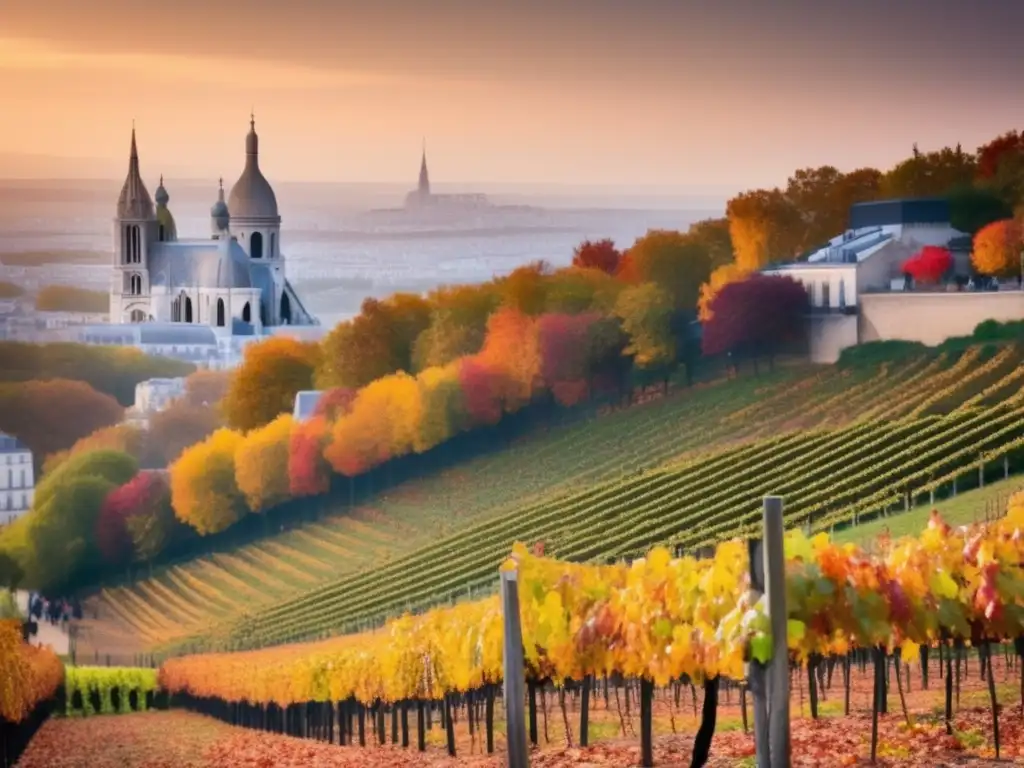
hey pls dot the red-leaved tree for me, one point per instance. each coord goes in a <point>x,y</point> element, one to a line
<point>599,254</point>
<point>482,389</point>
<point>929,264</point>
<point>756,315</point>
<point>308,470</point>
<point>565,355</point>
<point>143,495</point>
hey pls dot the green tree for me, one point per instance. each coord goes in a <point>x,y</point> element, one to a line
<point>930,174</point>
<point>646,312</point>
<point>671,261</point>
<point>973,207</point>
<point>360,350</point>
<point>712,235</point>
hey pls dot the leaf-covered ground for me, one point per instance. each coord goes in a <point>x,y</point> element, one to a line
<point>178,738</point>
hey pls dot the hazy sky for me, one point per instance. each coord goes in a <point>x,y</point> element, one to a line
<point>687,94</point>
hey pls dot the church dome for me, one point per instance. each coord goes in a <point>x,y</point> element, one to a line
<point>220,214</point>
<point>161,196</point>
<point>252,197</point>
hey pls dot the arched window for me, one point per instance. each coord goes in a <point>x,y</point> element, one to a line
<point>246,313</point>
<point>220,313</point>
<point>161,234</point>
<point>826,299</point>
<point>256,245</point>
<point>188,309</point>
<point>176,310</point>
<point>842,293</point>
<point>273,246</point>
<point>286,310</point>
<point>138,316</point>
<point>135,285</point>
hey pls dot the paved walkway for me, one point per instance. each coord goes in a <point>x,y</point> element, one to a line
<point>48,634</point>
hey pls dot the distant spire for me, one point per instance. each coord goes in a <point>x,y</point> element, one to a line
<point>134,201</point>
<point>424,186</point>
<point>252,142</point>
<point>252,118</point>
<point>220,191</point>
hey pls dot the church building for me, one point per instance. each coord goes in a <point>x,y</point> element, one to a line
<point>232,282</point>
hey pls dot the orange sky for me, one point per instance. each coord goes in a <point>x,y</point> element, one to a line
<point>598,92</point>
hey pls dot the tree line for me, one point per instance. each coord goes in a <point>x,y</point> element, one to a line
<point>410,373</point>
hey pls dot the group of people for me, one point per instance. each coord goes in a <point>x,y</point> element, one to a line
<point>58,610</point>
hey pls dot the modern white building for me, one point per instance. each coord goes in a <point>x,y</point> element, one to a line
<point>305,404</point>
<point>17,479</point>
<point>848,276</point>
<point>233,282</point>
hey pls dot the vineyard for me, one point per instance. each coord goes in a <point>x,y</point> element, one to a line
<point>839,443</point>
<point>655,624</point>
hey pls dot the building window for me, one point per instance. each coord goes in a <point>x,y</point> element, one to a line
<point>188,309</point>
<point>138,316</point>
<point>161,234</point>
<point>256,245</point>
<point>273,246</point>
<point>135,285</point>
<point>825,298</point>
<point>842,293</point>
<point>246,313</point>
<point>220,313</point>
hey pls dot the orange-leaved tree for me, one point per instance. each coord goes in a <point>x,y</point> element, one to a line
<point>443,406</point>
<point>997,249</point>
<point>261,464</point>
<point>204,493</point>
<point>265,384</point>
<point>512,348</point>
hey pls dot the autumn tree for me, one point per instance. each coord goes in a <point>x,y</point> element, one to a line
<point>376,342</point>
<point>929,265</point>
<point>261,464</point>
<point>525,288</point>
<point>152,526</point>
<point>712,236</point>
<point>597,254</point>
<point>574,290</point>
<point>50,416</point>
<point>136,521</point>
<point>930,174</point>
<point>822,198</point>
<point>443,406</point>
<point>265,384</point>
<point>755,316</point>
<point>113,371</point>
<point>765,227</point>
<point>721,277</point>
<point>204,493</point>
<point>997,249</point>
<point>671,261</point>
<point>1001,167</point>
<point>565,354</point>
<point>511,348</point>
<point>335,403</point>
<point>458,324</point>
<point>483,390</point>
<point>308,469</point>
<point>178,426</point>
<point>646,312</point>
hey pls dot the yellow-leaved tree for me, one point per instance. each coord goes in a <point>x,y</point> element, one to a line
<point>204,493</point>
<point>264,385</point>
<point>261,464</point>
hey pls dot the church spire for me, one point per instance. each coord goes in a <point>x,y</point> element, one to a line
<point>424,187</point>
<point>134,201</point>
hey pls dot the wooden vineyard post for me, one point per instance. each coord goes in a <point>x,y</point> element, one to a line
<point>585,712</point>
<point>646,722</point>
<point>756,672</point>
<point>513,671</point>
<point>778,667</point>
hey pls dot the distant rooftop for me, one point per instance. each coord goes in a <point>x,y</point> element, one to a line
<point>10,444</point>
<point>149,333</point>
<point>881,213</point>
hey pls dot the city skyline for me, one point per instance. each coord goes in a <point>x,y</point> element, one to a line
<point>653,95</point>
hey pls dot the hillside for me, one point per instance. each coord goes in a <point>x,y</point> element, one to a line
<point>688,469</point>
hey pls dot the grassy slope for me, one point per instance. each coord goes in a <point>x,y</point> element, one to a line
<point>963,509</point>
<point>542,470</point>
